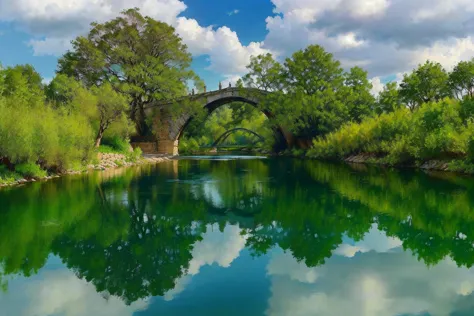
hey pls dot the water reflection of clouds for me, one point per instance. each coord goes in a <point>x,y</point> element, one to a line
<point>373,240</point>
<point>60,292</point>
<point>211,193</point>
<point>376,280</point>
<point>216,247</point>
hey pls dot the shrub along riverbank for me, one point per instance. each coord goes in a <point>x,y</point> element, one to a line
<point>55,128</point>
<point>441,130</point>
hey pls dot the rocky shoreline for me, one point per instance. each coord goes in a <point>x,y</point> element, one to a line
<point>106,161</point>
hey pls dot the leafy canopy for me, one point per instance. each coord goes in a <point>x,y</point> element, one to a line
<point>140,57</point>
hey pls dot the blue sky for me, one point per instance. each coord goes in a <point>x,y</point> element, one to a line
<point>386,37</point>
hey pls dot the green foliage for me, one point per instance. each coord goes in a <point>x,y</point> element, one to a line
<point>467,109</point>
<point>356,95</point>
<point>143,59</point>
<point>22,84</point>
<point>388,99</point>
<point>188,145</point>
<point>115,144</point>
<point>111,107</point>
<point>310,95</point>
<point>134,155</point>
<point>30,170</point>
<point>461,79</point>
<point>7,176</point>
<point>264,74</point>
<point>308,116</point>
<point>434,131</point>
<point>313,70</point>
<point>427,83</point>
<point>38,133</point>
<point>204,130</point>
<point>311,104</point>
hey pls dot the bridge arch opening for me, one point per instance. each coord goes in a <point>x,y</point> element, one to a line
<point>171,129</point>
<point>280,142</point>
<point>222,138</point>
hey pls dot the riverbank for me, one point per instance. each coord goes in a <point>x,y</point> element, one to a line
<point>105,161</point>
<point>448,165</point>
<point>461,166</point>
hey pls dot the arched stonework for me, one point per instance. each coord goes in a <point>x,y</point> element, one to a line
<point>226,134</point>
<point>169,129</point>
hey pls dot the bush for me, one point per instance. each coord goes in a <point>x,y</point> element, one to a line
<point>40,134</point>
<point>7,176</point>
<point>117,144</point>
<point>134,155</point>
<point>436,130</point>
<point>372,135</point>
<point>30,170</point>
<point>188,145</point>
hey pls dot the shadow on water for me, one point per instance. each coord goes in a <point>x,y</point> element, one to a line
<point>131,232</point>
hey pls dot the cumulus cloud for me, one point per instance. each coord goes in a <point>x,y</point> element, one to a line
<point>226,53</point>
<point>377,85</point>
<point>386,37</point>
<point>54,23</point>
<point>60,292</point>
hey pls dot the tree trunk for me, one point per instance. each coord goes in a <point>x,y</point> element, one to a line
<point>98,139</point>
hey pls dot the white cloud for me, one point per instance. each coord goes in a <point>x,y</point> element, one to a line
<point>46,81</point>
<point>57,22</point>
<point>384,36</point>
<point>60,292</point>
<point>226,53</point>
<point>377,85</point>
<point>233,12</point>
<point>232,79</point>
<point>50,46</point>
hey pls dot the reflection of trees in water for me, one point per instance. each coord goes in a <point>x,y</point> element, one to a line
<point>432,217</point>
<point>132,236</point>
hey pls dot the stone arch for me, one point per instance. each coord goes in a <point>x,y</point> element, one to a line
<point>171,129</point>
<point>226,134</point>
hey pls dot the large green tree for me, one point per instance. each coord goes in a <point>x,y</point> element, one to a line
<point>358,98</point>
<point>23,83</point>
<point>461,79</point>
<point>140,57</point>
<point>310,104</point>
<point>388,99</point>
<point>264,73</point>
<point>313,70</point>
<point>427,83</point>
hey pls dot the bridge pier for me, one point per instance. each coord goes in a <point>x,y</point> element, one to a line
<point>169,147</point>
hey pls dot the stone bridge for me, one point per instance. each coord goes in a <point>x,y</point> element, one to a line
<point>169,128</point>
<point>226,134</point>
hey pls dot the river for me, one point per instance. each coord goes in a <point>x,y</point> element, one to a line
<point>232,236</point>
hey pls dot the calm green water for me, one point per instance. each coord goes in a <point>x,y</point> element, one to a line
<point>239,237</point>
